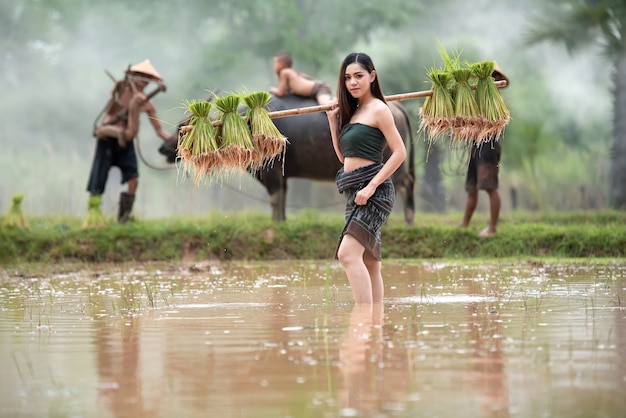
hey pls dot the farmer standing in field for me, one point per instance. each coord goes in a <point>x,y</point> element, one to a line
<point>482,174</point>
<point>118,128</point>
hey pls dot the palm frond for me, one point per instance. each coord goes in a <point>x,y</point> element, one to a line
<point>577,24</point>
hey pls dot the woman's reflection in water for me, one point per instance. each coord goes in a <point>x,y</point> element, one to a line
<point>488,358</point>
<point>375,373</point>
<point>118,367</point>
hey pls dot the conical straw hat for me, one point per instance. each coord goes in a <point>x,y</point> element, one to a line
<point>503,76</point>
<point>145,67</point>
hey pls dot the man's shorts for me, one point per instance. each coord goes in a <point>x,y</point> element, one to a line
<point>109,154</point>
<point>482,171</point>
<point>320,87</point>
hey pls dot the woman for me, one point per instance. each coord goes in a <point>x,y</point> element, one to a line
<point>361,125</point>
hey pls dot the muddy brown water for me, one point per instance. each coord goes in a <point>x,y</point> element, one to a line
<point>283,339</point>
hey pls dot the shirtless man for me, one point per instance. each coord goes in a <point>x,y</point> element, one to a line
<point>482,174</point>
<point>295,82</point>
<point>117,130</point>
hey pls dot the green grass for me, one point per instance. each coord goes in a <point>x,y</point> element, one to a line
<point>312,235</point>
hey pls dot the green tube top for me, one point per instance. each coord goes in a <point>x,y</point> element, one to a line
<point>364,141</point>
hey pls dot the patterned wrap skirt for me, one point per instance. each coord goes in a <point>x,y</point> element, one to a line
<point>364,222</point>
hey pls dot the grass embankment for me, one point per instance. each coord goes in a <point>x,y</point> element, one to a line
<point>312,235</point>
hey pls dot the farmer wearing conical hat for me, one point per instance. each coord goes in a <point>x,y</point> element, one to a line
<point>482,174</point>
<point>117,129</point>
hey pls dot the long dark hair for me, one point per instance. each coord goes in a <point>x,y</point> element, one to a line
<point>347,103</point>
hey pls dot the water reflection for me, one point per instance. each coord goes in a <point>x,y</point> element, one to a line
<point>376,373</point>
<point>360,355</point>
<point>488,357</point>
<point>285,340</point>
<point>119,381</point>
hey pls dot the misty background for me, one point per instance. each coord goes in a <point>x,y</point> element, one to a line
<point>53,86</point>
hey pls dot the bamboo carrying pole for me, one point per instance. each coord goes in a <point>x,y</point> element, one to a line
<point>392,98</point>
<point>323,108</point>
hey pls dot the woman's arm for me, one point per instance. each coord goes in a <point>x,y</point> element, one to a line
<point>334,132</point>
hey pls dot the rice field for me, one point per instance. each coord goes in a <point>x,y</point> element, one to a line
<point>488,338</point>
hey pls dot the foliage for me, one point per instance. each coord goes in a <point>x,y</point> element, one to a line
<point>580,24</point>
<point>313,29</point>
<point>602,23</point>
<point>253,236</point>
<point>54,53</point>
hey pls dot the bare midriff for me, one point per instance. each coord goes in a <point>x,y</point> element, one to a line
<point>352,163</point>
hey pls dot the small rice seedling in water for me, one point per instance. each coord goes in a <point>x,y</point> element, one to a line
<point>95,218</point>
<point>14,218</point>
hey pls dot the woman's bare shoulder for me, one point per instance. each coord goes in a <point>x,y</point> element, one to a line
<point>381,110</point>
<point>382,104</point>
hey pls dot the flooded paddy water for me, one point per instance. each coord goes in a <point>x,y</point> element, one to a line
<point>283,339</point>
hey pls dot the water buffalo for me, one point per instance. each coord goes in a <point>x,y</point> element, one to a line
<point>310,154</point>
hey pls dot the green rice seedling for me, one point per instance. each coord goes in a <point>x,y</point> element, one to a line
<point>24,377</point>
<point>95,218</point>
<point>491,106</point>
<point>14,218</point>
<point>437,111</point>
<point>327,287</point>
<point>150,293</point>
<point>466,125</point>
<point>165,298</point>
<point>198,146</point>
<point>423,293</point>
<point>327,356</point>
<point>450,62</point>
<point>236,147</point>
<point>268,141</point>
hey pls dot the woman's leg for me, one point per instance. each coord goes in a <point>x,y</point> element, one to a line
<point>374,267</point>
<point>350,255</point>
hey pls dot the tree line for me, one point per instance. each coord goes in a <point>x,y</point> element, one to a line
<point>210,43</point>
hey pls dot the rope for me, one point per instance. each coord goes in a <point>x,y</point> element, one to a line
<point>143,160</point>
<point>258,199</point>
<point>228,186</point>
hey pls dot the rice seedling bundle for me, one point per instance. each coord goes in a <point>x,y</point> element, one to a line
<point>437,112</point>
<point>494,112</point>
<point>465,102</point>
<point>466,125</point>
<point>198,147</point>
<point>14,218</point>
<point>95,218</point>
<point>269,143</point>
<point>236,148</point>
